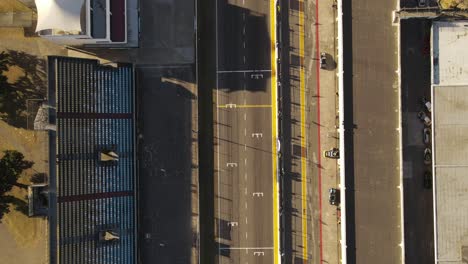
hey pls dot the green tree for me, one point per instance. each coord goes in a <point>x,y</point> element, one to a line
<point>4,207</point>
<point>454,4</point>
<point>12,164</point>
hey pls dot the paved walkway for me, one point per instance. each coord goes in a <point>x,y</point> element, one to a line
<point>309,116</point>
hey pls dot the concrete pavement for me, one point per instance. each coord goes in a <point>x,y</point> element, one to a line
<point>416,83</point>
<point>325,116</point>
<point>245,134</point>
<point>374,228</point>
<point>168,171</point>
<point>309,115</point>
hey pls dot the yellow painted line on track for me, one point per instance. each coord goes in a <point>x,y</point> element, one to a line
<point>274,127</point>
<point>243,106</point>
<point>303,134</point>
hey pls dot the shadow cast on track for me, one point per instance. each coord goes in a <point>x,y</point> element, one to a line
<point>349,128</point>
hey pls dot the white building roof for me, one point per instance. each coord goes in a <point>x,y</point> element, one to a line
<point>59,14</point>
<point>450,112</point>
<point>450,58</point>
<point>450,140</point>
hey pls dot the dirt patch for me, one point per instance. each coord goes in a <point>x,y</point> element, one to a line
<point>12,5</point>
<point>27,233</point>
<point>14,73</point>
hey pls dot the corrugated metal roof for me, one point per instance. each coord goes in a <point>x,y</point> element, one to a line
<point>94,112</point>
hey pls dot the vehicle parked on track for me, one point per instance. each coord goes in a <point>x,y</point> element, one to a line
<point>334,196</point>
<point>427,104</point>
<point>323,60</point>
<point>427,156</point>
<point>333,153</point>
<point>427,121</point>
<point>427,136</point>
<point>427,180</point>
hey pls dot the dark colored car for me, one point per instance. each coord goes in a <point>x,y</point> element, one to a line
<point>427,104</point>
<point>427,156</point>
<point>427,180</point>
<point>323,60</point>
<point>427,136</point>
<point>333,153</point>
<point>427,121</point>
<point>334,196</point>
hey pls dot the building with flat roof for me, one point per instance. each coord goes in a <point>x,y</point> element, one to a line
<point>92,182</point>
<point>450,141</point>
<point>88,22</point>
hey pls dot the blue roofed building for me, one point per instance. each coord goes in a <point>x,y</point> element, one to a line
<point>92,207</point>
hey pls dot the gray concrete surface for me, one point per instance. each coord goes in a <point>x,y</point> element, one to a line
<point>415,83</point>
<point>374,233</point>
<point>167,33</point>
<point>166,103</point>
<point>243,134</point>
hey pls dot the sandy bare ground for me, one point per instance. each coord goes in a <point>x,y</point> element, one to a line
<point>12,5</point>
<point>20,236</point>
<point>24,239</point>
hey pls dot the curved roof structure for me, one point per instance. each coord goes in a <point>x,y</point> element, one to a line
<point>59,14</point>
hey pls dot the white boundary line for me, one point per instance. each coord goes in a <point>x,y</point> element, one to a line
<point>400,135</point>
<point>344,257</point>
<point>198,128</point>
<point>242,71</point>
<point>278,176</point>
<point>434,186</point>
<point>248,248</point>
<point>217,129</point>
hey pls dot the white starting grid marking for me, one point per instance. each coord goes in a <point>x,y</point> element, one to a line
<point>257,135</point>
<point>231,164</point>
<point>259,253</point>
<point>256,76</point>
<point>232,224</point>
<point>230,105</point>
<point>257,194</point>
